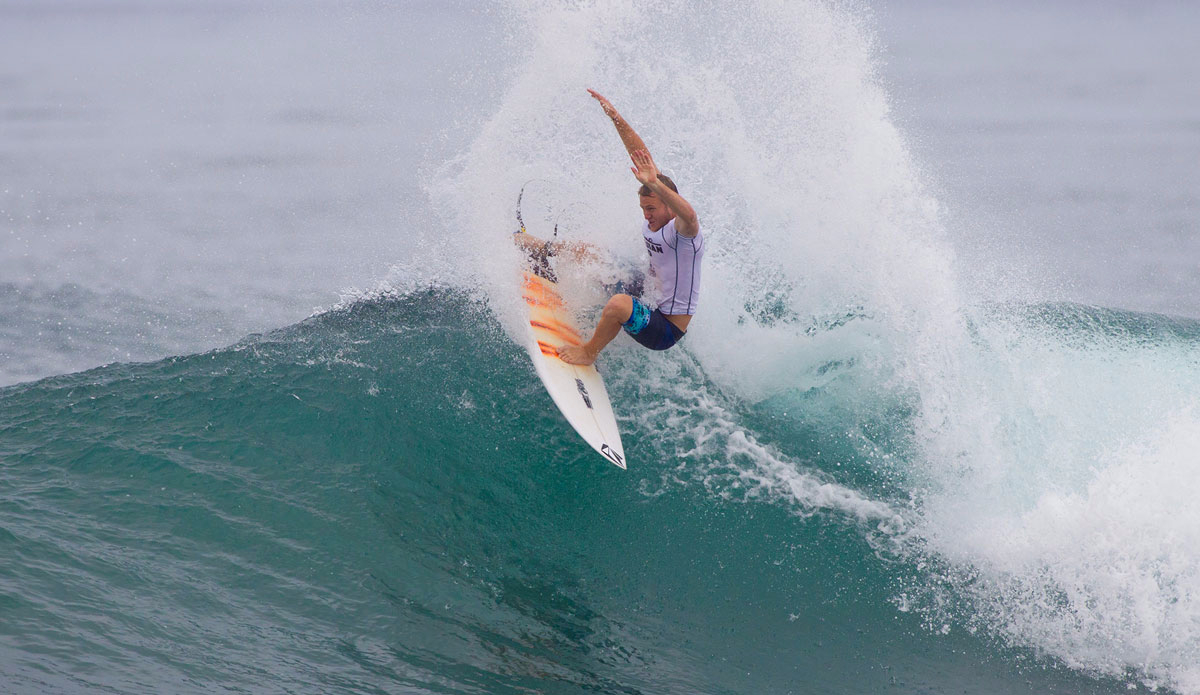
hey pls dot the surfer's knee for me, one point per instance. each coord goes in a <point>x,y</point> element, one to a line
<point>618,308</point>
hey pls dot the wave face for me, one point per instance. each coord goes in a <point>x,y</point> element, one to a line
<point>383,497</point>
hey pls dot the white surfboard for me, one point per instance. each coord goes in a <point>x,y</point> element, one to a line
<point>577,391</point>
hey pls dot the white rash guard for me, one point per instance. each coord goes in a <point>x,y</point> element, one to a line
<point>675,267</point>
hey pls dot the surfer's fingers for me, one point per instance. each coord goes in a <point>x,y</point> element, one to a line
<point>643,160</point>
<point>604,103</point>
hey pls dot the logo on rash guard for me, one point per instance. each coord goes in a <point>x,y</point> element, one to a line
<point>651,246</point>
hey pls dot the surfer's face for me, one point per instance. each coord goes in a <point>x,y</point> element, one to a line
<point>655,211</point>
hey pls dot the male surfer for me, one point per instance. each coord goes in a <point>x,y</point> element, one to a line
<point>672,236</point>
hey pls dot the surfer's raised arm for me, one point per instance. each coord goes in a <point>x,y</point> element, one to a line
<point>633,142</point>
<point>646,172</point>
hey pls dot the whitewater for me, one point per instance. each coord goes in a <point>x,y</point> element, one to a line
<point>267,425</point>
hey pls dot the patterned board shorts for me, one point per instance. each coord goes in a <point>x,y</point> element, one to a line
<point>651,328</point>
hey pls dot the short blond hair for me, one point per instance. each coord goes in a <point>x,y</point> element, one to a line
<point>645,190</point>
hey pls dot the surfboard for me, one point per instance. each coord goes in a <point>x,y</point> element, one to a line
<point>577,391</point>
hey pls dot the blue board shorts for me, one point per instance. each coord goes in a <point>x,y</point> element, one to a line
<point>651,328</point>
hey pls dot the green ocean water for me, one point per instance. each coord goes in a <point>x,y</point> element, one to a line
<point>383,499</point>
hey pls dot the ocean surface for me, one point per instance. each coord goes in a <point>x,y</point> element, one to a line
<point>265,425</point>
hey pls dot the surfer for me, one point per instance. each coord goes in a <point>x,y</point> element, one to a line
<point>672,236</point>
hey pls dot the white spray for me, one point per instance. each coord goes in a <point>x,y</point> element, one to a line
<point>823,247</point>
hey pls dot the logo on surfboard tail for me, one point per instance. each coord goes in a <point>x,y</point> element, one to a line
<point>587,400</point>
<point>612,455</point>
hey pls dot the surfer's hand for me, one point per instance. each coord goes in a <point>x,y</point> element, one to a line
<point>644,169</point>
<point>609,109</point>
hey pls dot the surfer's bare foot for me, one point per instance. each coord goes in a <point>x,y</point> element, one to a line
<point>576,355</point>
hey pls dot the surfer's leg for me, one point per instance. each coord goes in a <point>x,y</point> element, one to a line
<point>529,243</point>
<point>539,249</point>
<point>616,312</point>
